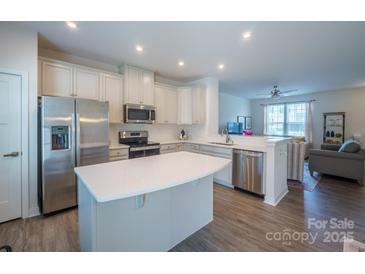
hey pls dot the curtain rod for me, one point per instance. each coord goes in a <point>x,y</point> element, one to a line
<point>290,102</point>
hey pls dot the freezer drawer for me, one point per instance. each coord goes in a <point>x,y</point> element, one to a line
<point>247,171</point>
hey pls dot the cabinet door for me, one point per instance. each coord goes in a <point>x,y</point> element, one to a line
<point>87,84</point>
<point>224,176</point>
<point>184,99</point>
<point>161,106</point>
<point>198,104</point>
<point>112,90</point>
<point>132,86</point>
<point>171,103</point>
<point>147,88</point>
<point>56,79</point>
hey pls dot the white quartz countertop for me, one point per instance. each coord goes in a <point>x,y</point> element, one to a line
<point>256,143</point>
<point>128,178</point>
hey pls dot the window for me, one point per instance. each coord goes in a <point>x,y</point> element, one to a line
<point>285,119</point>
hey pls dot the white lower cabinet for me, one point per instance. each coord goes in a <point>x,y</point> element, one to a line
<point>223,177</point>
<point>191,147</point>
<point>169,148</point>
<point>118,154</point>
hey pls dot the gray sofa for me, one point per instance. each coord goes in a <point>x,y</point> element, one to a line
<point>328,160</point>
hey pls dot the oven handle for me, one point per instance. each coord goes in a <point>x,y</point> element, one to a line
<point>143,148</point>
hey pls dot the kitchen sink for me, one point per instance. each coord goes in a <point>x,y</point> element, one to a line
<point>221,143</point>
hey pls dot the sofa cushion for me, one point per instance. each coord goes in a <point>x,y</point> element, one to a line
<point>350,146</point>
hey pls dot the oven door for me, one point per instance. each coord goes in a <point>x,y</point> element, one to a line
<point>139,114</point>
<point>137,152</point>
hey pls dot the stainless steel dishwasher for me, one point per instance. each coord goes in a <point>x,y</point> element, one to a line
<point>247,171</point>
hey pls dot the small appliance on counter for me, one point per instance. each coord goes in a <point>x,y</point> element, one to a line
<point>138,143</point>
<point>183,135</point>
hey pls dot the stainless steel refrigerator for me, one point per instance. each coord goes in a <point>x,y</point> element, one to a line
<point>72,132</point>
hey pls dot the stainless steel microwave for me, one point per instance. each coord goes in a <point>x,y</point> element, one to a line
<point>139,114</point>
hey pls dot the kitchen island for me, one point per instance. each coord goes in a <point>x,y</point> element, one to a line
<point>145,204</point>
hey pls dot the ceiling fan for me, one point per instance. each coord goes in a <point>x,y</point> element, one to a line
<point>276,92</point>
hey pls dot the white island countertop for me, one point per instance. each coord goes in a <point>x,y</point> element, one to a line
<point>123,179</point>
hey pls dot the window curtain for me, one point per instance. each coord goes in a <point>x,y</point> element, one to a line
<point>308,122</point>
<point>265,119</point>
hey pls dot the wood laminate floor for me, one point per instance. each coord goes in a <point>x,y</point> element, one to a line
<point>241,222</point>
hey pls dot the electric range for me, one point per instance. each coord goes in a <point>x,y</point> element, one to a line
<point>138,143</point>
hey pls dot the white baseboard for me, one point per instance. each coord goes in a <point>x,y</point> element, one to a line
<point>276,200</point>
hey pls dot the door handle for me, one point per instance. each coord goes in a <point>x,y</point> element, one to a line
<point>12,154</point>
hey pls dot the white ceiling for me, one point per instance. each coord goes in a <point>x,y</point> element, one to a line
<point>309,56</point>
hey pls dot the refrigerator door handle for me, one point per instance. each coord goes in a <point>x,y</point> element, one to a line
<point>73,139</point>
<point>77,139</point>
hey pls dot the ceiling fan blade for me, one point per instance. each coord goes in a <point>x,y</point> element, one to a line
<point>288,91</point>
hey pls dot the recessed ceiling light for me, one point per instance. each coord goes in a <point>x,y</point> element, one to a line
<point>181,63</point>
<point>71,25</point>
<point>246,35</point>
<point>221,66</point>
<point>139,48</point>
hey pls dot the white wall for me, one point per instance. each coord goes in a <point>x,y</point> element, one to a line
<point>18,51</point>
<point>350,101</point>
<point>230,107</point>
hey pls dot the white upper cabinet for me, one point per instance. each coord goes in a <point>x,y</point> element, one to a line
<point>161,107</point>
<point>166,104</point>
<point>132,86</point>
<point>171,100</point>
<point>57,79</point>
<point>139,86</point>
<point>111,91</point>
<point>185,113</point>
<point>199,104</point>
<point>87,83</point>
<point>147,88</point>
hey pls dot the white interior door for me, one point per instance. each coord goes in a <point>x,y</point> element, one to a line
<point>10,147</point>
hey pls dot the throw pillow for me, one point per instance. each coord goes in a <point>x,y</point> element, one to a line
<point>350,146</point>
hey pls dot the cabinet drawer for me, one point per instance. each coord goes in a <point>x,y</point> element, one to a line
<point>168,147</point>
<point>216,151</point>
<point>111,159</point>
<point>191,147</point>
<point>124,152</point>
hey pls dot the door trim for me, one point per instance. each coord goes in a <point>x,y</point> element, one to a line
<point>24,138</point>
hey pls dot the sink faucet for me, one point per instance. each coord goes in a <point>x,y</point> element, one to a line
<point>228,137</point>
